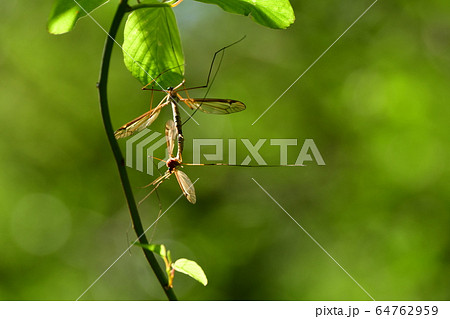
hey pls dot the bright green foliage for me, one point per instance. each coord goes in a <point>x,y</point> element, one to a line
<point>183,265</point>
<point>65,13</point>
<point>157,249</point>
<point>276,14</point>
<point>152,47</point>
<point>190,268</point>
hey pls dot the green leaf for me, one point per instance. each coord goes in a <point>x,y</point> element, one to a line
<point>276,14</point>
<point>192,269</point>
<point>65,13</point>
<point>157,249</point>
<point>152,47</point>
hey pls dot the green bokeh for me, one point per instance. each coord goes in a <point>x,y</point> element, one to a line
<point>376,106</point>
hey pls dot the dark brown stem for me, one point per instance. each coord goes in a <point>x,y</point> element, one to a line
<point>102,90</point>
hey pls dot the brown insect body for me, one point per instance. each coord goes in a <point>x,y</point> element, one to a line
<point>173,163</point>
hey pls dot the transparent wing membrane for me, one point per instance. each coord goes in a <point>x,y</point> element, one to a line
<point>141,122</point>
<point>215,106</point>
<point>138,124</point>
<point>186,186</point>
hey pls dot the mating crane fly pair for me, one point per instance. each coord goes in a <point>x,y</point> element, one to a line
<point>206,105</point>
<point>174,133</point>
<point>174,128</point>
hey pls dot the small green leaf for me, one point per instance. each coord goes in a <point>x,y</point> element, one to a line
<point>276,14</point>
<point>192,269</point>
<point>65,13</point>
<point>157,249</point>
<point>152,47</point>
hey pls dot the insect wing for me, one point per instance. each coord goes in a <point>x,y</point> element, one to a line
<point>215,106</point>
<point>171,135</point>
<point>138,124</point>
<point>186,186</point>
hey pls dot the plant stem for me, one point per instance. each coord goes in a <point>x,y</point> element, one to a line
<point>102,89</point>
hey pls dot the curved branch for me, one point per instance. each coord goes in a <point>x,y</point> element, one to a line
<point>102,90</point>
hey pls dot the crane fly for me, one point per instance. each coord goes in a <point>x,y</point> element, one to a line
<point>173,167</point>
<point>206,105</point>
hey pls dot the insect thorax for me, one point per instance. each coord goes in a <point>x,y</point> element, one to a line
<point>173,163</point>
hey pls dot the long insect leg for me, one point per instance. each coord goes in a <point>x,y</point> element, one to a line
<point>209,74</point>
<point>156,184</point>
<point>212,65</point>
<point>157,218</point>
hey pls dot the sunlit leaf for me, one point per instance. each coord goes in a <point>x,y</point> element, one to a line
<point>157,249</point>
<point>276,14</point>
<point>152,47</point>
<point>65,13</point>
<point>192,269</point>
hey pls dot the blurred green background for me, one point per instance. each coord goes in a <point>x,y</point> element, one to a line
<point>376,105</point>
